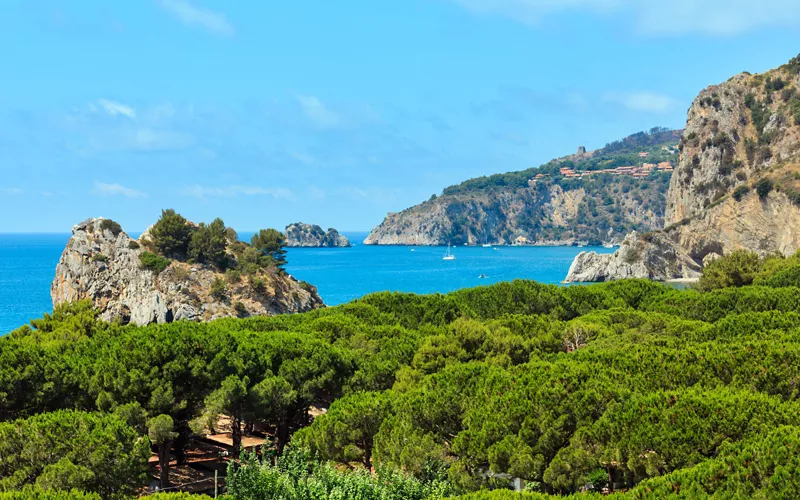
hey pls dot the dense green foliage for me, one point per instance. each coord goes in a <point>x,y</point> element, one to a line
<point>153,262</point>
<point>270,243</point>
<point>172,234</point>
<point>616,154</point>
<point>208,244</point>
<point>66,450</point>
<point>629,384</point>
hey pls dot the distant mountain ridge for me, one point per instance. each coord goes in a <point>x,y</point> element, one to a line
<point>584,198</point>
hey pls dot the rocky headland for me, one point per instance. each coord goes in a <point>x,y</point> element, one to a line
<point>586,198</point>
<point>736,186</point>
<point>103,264</point>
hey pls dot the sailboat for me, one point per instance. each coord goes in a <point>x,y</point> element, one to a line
<point>448,255</point>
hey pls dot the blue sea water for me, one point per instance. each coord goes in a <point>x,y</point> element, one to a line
<point>28,263</point>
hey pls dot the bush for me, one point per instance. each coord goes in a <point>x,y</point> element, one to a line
<point>133,245</point>
<point>233,276</point>
<point>734,270</point>
<point>110,225</point>
<point>258,285</point>
<point>241,310</point>
<point>763,187</point>
<point>740,192</point>
<point>218,288</point>
<point>153,262</point>
<point>99,257</point>
<point>171,234</point>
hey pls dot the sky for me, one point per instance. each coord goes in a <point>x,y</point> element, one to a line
<point>270,112</point>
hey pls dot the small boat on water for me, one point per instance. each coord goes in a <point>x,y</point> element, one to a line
<point>413,249</point>
<point>608,245</point>
<point>448,255</point>
<point>486,245</point>
<point>482,276</point>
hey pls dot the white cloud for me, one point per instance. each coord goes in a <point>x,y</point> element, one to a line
<point>114,108</point>
<point>709,17</point>
<point>319,114</point>
<point>104,189</point>
<point>199,191</point>
<point>195,15</point>
<point>648,102</point>
<point>10,191</point>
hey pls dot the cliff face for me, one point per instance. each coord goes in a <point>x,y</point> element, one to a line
<point>737,183</point>
<point>100,265</point>
<point>309,235</point>
<point>651,256</point>
<point>541,213</point>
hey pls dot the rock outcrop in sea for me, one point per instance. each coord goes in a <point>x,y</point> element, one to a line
<point>311,235</point>
<point>737,183</point>
<point>649,256</point>
<point>104,265</point>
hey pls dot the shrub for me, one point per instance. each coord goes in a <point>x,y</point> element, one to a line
<point>740,192</point>
<point>258,285</point>
<point>734,270</point>
<point>240,309</point>
<point>233,276</point>
<point>110,225</point>
<point>153,262</point>
<point>133,245</point>
<point>763,187</point>
<point>218,288</point>
<point>171,234</point>
<point>99,257</point>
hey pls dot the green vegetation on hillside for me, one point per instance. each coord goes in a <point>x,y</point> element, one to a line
<point>615,154</point>
<point>214,244</point>
<point>624,385</point>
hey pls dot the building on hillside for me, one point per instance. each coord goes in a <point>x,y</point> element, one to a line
<point>664,165</point>
<point>649,166</point>
<point>626,170</point>
<point>644,154</point>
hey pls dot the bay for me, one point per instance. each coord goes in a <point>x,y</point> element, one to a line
<point>28,263</point>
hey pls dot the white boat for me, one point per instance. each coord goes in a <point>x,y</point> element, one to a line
<point>448,255</point>
<point>608,245</point>
<point>486,245</point>
<point>413,249</point>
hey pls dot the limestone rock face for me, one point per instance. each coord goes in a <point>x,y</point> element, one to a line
<point>104,266</point>
<point>648,256</point>
<point>310,235</point>
<point>739,135</point>
<point>503,217</point>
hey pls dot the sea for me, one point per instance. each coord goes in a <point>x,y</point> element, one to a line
<point>28,263</point>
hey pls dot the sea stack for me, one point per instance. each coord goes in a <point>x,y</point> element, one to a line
<point>300,235</point>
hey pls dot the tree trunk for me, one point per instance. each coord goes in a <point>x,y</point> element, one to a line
<point>368,456</point>
<point>236,435</point>
<point>282,435</point>
<point>180,442</point>
<point>163,463</point>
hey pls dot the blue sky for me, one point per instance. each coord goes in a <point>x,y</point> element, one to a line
<point>265,113</point>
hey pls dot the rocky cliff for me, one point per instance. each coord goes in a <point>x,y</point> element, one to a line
<point>103,264</point>
<point>650,256</point>
<point>309,235</point>
<point>543,206</point>
<point>737,183</point>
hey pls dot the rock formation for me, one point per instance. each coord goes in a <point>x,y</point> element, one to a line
<point>542,205</point>
<point>104,265</point>
<point>650,256</point>
<point>309,235</point>
<point>737,183</point>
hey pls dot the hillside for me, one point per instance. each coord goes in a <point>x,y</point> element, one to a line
<point>737,183</point>
<point>630,385</point>
<point>591,197</point>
